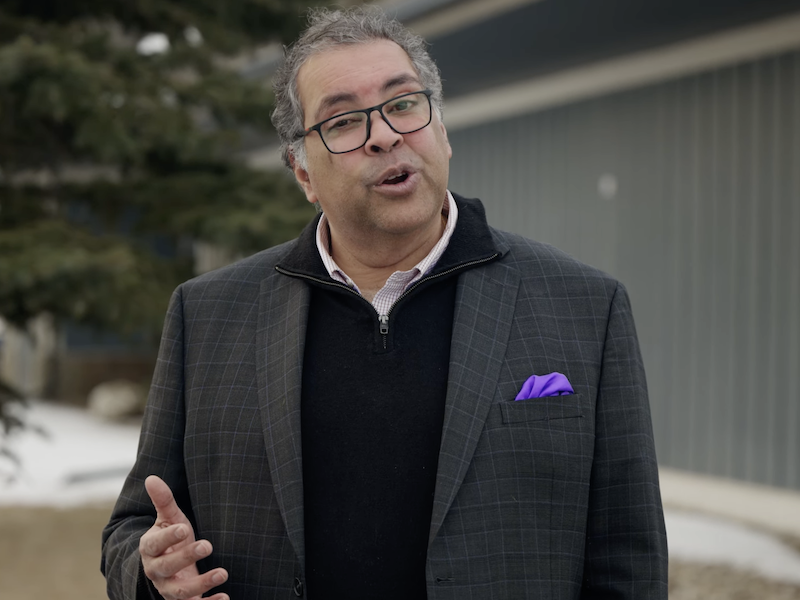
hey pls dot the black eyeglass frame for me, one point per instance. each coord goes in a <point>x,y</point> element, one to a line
<point>368,111</point>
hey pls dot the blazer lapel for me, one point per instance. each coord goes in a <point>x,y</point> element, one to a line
<point>484,313</point>
<point>282,319</point>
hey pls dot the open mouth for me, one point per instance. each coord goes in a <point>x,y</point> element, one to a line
<point>394,180</point>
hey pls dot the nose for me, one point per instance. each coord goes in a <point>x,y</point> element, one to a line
<point>381,138</point>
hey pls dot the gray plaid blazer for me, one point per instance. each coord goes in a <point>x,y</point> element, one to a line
<point>553,498</point>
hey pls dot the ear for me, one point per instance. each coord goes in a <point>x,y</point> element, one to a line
<point>446,141</point>
<point>301,175</point>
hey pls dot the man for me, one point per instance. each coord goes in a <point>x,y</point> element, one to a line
<point>401,403</point>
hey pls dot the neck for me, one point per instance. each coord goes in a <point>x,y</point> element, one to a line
<point>369,263</point>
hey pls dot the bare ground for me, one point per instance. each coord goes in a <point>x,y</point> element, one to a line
<point>49,553</point>
<point>706,582</point>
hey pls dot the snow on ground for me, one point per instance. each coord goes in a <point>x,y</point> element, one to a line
<point>84,459</point>
<point>713,540</point>
<point>77,459</point>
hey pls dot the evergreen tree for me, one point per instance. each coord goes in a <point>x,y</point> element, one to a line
<point>110,150</point>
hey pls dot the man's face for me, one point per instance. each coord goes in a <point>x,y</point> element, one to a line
<point>396,184</point>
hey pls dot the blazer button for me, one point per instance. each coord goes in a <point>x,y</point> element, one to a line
<point>298,587</point>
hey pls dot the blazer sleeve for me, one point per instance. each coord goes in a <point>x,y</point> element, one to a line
<point>626,545</point>
<point>161,453</point>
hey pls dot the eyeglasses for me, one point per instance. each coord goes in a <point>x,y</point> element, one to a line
<point>350,131</point>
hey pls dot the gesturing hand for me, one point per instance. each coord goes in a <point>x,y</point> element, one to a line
<point>170,552</point>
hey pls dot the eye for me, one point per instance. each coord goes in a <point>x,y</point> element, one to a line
<point>344,122</point>
<point>401,105</point>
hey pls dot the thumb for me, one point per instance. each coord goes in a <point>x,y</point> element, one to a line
<point>163,500</point>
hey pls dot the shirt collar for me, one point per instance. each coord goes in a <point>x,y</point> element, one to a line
<point>422,268</point>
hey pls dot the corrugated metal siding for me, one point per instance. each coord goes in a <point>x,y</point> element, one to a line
<point>704,231</point>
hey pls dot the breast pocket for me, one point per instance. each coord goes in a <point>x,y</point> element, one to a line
<point>539,440</point>
<point>550,408</point>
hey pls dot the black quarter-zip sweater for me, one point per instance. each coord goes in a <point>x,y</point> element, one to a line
<point>372,409</point>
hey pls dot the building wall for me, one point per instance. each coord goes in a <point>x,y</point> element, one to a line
<point>689,192</point>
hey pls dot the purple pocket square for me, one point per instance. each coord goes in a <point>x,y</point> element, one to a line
<point>538,386</point>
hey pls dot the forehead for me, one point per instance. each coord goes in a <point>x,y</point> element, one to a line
<point>356,74</point>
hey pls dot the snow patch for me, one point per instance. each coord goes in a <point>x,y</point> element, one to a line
<point>79,458</point>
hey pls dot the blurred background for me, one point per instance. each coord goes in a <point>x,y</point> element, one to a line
<point>658,141</point>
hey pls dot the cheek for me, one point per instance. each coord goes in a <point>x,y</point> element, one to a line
<point>321,173</point>
<point>442,149</point>
<point>332,180</point>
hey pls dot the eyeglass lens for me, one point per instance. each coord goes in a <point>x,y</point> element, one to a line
<point>405,114</point>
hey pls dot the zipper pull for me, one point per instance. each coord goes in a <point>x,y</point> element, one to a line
<point>384,321</point>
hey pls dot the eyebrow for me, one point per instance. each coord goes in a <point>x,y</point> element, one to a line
<point>334,99</point>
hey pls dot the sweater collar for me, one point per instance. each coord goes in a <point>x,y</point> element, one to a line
<point>472,241</point>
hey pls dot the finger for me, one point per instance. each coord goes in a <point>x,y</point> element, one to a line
<point>163,500</point>
<point>195,586</point>
<point>169,564</point>
<point>157,540</point>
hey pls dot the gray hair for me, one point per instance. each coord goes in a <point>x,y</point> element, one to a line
<point>328,29</point>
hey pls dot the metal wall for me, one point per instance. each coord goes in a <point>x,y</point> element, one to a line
<point>689,192</point>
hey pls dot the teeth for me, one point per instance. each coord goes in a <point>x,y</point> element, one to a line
<point>394,178</point>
